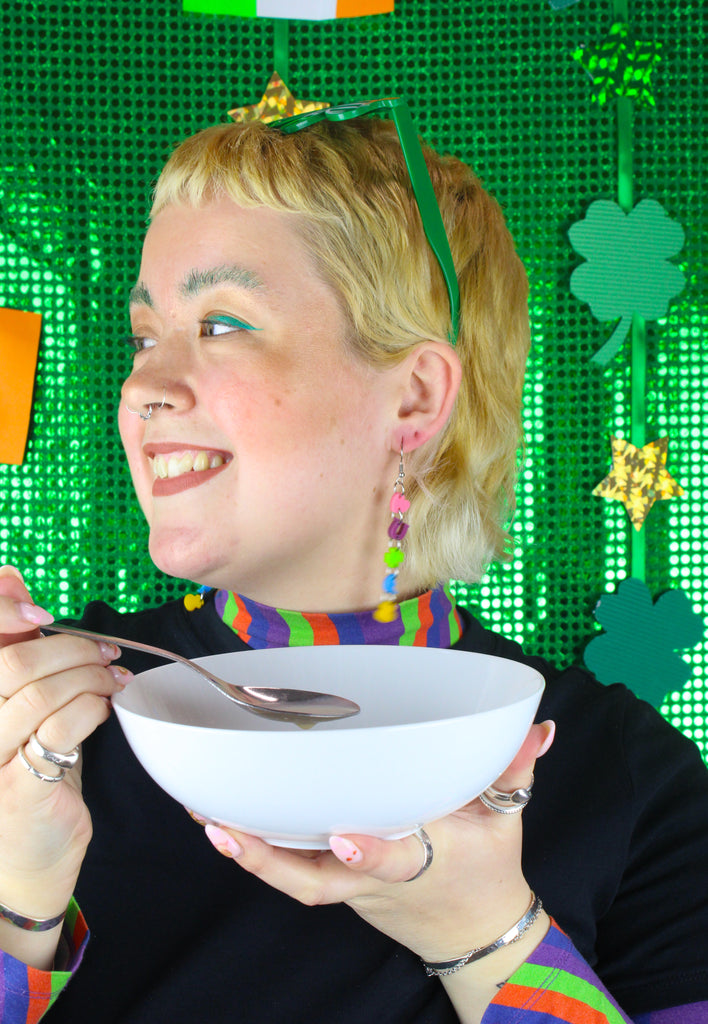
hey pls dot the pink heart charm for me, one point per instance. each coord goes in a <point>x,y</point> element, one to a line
<point>400,503</point>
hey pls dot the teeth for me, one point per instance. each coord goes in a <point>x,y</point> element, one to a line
<point>177,465</point>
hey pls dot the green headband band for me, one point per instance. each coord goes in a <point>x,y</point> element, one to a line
<point>418,172</point>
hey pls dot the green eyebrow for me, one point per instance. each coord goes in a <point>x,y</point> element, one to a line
<point>197,280</point>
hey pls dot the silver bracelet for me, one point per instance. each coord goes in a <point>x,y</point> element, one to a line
<point>514,933</point>
<point>30,924</point>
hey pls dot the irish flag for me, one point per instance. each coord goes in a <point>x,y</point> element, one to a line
<point>308,10</point>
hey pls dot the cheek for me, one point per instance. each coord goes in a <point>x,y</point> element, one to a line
<point>131,435</point>
<point>258,413</point>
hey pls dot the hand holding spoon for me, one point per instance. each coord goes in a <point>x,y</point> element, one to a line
<point>301,707</point>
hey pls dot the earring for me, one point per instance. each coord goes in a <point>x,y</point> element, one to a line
<point>148,414</point>
<point>399,505</point>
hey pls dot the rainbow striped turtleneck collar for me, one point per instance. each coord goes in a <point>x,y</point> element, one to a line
<point>431,620</point>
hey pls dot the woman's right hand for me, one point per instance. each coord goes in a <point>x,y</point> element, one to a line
<point>60,688</point>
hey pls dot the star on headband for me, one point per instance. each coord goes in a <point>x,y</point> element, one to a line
<point>638,478</point>
<point>277,101</point>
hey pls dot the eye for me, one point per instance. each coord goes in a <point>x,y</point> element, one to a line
<point>220,323</point>
<point>139,343</point>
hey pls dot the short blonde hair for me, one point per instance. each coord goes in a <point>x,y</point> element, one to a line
<point>359,219</point>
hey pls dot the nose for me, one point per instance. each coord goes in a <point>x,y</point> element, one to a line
<point>152,389</point>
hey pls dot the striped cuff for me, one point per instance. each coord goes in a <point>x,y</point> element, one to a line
<point>689,1013</point>
<point>555,982</point>
<point>27,993</point>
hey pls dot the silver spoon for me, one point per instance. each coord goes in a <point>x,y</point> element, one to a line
<point>302,707</point>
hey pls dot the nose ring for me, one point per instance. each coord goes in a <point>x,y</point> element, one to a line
<point>151,406</point>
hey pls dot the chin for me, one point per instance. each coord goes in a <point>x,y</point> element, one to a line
<point>185,556</point>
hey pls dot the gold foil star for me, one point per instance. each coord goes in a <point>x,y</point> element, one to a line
<point>277,101</point>
<point>638,478</point>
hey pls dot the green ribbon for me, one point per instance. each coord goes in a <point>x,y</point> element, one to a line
<point>281,54</point>
<point>625,198</point>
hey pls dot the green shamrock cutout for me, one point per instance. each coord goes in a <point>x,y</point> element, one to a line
<point>638,647</point>
<point>627,269</point>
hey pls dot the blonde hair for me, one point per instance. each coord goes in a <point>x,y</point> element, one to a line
<point>359,219</point>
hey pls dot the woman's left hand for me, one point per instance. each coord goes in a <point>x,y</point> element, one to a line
<point>472,892</point>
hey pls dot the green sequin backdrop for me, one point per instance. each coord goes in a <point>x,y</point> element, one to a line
<point>95,95</point>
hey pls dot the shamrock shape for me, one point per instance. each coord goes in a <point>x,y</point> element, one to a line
<point>621,65</point>
<point>640,640</point>
<point>627,270</point>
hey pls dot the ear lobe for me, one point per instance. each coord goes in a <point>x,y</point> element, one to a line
<point>430,380</point>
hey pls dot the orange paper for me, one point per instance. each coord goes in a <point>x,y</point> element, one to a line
<point>19,345</point>
<point>356,8</point>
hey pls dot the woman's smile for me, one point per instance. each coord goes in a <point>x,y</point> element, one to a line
<point>177,467</point>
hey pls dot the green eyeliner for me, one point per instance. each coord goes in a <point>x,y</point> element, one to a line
<point>230,321</point>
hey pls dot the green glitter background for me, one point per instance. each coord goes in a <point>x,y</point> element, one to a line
<point>95,95</point>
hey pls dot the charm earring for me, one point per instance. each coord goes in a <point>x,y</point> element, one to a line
<point>399,505</point>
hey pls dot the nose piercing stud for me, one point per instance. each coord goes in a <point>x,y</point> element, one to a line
<point>151,406</point>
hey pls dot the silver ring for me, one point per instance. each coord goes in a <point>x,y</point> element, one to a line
<point>151,406</point>
<point>424,839</point>
<point>33,771</point>
<point>60,760</point>
<point>506,803</point>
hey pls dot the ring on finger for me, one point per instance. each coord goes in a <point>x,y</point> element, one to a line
<point>60,760</point>
<point>422,836</point>
<point>507,803</point>
<point>34,771</point>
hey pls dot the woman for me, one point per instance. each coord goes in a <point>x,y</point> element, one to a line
<point>295,342</point>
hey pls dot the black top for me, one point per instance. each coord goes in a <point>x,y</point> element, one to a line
<point>615,843</point>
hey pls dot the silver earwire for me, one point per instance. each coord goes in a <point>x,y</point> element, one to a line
<point>151,406</point>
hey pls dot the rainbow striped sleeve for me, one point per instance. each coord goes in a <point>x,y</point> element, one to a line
<point>554,984</point>
<point>27,993</point>
<point>689,1013</point>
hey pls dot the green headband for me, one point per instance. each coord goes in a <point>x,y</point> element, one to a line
<point>418,172</point>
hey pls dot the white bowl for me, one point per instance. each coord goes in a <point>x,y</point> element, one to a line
<point>436,728</point>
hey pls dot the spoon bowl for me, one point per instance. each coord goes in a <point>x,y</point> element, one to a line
<point>304,708</point>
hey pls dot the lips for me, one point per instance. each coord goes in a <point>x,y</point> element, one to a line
<point>179,467</point>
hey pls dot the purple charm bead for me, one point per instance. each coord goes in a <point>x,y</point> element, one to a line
<point>397,530</point>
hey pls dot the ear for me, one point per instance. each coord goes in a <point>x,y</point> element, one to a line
<point>429,381</point>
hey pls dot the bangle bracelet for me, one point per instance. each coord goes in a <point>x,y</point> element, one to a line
<point>514,933</point>
<point>30,924</point>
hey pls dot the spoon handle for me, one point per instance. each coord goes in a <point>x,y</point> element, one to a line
<point>241,696</point>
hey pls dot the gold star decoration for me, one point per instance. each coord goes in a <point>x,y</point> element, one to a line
<point>277,101</point>
<point>638,478</point>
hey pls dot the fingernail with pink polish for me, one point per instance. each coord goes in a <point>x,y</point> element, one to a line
<point>550,725</point>
<point>34,614</point>
<point>223,842</point>
<point>121,675</point>
<point>196,817</point>
<point>345,850</point>
<point>12,570</point>
<point>109,652</point>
